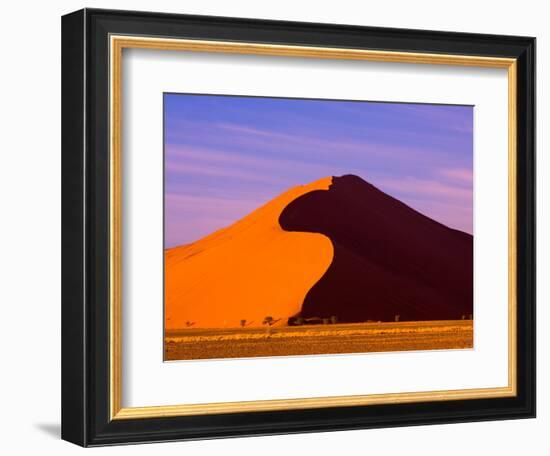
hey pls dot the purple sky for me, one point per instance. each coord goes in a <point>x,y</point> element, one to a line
<point>225,156</point>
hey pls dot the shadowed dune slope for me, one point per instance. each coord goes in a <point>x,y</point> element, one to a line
<point>388,258</point>
<point>247,271</point>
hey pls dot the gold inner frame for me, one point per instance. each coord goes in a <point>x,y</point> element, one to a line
<point>117,44</point>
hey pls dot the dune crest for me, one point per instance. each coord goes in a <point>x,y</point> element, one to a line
<point>247,271</point>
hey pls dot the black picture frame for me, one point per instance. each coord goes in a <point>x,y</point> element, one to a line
<point>85,228</point>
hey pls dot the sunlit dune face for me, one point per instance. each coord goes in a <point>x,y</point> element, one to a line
<point>253,269</point>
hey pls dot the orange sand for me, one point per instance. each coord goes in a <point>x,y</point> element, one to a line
<point>247,271</point>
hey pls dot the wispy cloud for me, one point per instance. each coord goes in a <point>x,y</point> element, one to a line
<point>432,188</point>
<point>457,216</point>
<point>218,171</point>
<point>319,147</point>
<point>461,175</point>
<point>188,215</point>
<point>442,117</point>
<point>206,204</point>
<point>188,154</point>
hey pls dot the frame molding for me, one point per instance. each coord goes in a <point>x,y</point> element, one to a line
<point>117,44</point>
<point>91,371</point>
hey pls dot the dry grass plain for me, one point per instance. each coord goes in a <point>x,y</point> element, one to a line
<point>192,343</point>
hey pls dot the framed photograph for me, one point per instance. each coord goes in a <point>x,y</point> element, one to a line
<point>278,227</point>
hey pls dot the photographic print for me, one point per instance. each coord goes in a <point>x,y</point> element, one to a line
<point>315,226</point>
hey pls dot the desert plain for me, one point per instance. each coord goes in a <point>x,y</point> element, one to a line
<point>204,343</point>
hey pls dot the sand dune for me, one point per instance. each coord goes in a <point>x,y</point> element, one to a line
<point>247,271</point>
<point>336,247</point>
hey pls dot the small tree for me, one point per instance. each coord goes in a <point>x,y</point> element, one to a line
<point>268,321</point>
<point>243,323</point>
